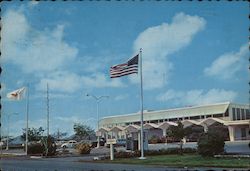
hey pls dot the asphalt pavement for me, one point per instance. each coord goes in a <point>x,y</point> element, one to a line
<point>71,162</point>
<point>63,164</point>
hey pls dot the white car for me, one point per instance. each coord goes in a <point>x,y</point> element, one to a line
<point>69,144</point>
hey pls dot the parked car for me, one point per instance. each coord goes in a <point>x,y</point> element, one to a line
<point>102,142</point>
<point>69,144</point>
<point>59,143</point>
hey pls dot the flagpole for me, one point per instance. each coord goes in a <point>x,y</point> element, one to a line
<point>141,140</point>
<point>47,147</point>
<point>27,120</point>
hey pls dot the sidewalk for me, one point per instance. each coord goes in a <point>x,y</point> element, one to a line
<point>15,152</point>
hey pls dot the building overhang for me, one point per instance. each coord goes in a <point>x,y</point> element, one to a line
<point>150,126</point>
<point>165,125</point>
<point>210,121</point>
<point>103,129</point>
<point>238,122</point>
<point>187,123</point>
<point>117,129</point>
<point>132,128</point>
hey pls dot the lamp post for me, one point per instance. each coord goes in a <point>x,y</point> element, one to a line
<point>8,121</point>
<point>98,99</point>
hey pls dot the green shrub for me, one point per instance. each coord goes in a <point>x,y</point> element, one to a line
<point>35,149</point>
<point>189,150</point>
<point>169,151</point>
<point>41,148</point>
<point>153,140</point>
<point>83,148</point>
<point>211,143</point>
<point>123,154</point>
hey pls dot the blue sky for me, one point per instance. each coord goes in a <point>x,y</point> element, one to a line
<point>193,53</point>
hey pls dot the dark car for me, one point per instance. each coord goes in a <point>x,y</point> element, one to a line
<point>102,143</point>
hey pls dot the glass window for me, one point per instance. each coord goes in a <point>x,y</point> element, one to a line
<point>234,114</point>
<point>247,114</point>
<point>186,118</point>
<point>154,121</point>
<point>243,115</point>
<point>218,115</point>
<point>243,132</point>
<point>208,116</point>
<point>226,113</point>
<point>238,114</point>
<point>173,119</point>
<point>195,117</point>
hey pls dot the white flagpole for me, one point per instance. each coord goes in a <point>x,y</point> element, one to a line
<point>27,120</point>
<point>47,147</point>
<point>141,140</point>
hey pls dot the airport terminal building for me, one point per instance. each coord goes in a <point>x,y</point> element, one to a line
<point>233,118</point>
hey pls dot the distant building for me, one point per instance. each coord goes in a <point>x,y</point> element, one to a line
<point>233,119</point>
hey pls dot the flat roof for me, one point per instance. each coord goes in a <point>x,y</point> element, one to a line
<point>189,111</point>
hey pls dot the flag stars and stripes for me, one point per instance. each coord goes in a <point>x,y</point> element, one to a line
<point>130,67</point>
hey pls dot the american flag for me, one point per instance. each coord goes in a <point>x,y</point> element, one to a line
<point>130,67</point>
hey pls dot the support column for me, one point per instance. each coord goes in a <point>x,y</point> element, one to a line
<point>184,140</point>
<point>116,135</point>
<point>139,140</point>
<point>231,133</point>
<point>205,128</point>
<point>164,132</point>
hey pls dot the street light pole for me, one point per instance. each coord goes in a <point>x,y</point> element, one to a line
<point>8,122</point>
<point>98,99</point>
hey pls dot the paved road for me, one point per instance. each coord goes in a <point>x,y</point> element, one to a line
<point>59,165</point>
<point>72,164</point>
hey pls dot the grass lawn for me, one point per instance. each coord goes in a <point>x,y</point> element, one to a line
<point>6,155</point>
<point>187,160</point>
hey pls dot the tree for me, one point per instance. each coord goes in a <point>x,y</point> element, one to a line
<point>211,143</point>
<point>83,131</point>
<point>178,133</point>
<point>34,134</point>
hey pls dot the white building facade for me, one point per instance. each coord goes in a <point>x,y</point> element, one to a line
<point>234,118</point>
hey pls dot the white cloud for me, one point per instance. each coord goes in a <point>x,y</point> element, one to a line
<point>33,3</point>
<point>99,80</point>
<point>31,49</point>
<point>72,119</point>
<point>197,97</point>
<point>62,81</point>
<point>46,53</point>
<point>121,97</point>
<point>228,64</point>
<point>160,41</point>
